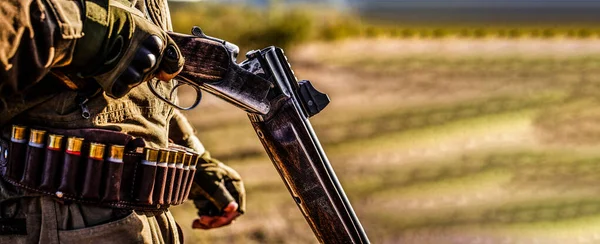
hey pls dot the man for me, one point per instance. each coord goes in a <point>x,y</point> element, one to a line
<point>75,65</point>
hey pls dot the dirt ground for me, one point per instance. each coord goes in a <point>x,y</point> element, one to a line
<point>435,141</point>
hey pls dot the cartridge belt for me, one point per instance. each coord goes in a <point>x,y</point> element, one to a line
<point>96,166</point>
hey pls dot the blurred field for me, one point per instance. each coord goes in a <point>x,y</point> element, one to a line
<point>287,26</point>
<point>435,141</point>
<point>439,133</point>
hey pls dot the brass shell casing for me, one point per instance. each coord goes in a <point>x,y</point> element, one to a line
<point>55,142</point>
<point>74,144</point>
<point>151,154</point>
<point>163,156</point>
<point>37,136</point>
<point>181,158</point>
<point>197,158</point>
<point>117,152</point>
<point>97,151</point>
<point>18,132</point>
<point>173,157</point>
<point>190,158</point>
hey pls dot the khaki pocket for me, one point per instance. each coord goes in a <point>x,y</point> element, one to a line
<point>125,230</point>
<point>68,16</point>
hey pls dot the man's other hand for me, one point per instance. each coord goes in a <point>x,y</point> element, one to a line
<point>218,194</point>
<point>229,215</point>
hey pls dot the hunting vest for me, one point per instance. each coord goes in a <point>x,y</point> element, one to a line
<point>50,103</point>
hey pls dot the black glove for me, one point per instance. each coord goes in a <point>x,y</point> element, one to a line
<point>215,186</point>
<point>121,48</point>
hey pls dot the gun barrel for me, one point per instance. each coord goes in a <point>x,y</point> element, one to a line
<point>294,148</point>
<point>298,157</point>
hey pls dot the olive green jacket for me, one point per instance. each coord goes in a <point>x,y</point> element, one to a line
<point>37,38</point>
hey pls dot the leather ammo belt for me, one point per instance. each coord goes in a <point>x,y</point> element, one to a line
<point>95,166</point>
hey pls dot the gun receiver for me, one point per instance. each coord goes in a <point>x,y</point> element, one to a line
<point>279,107</point>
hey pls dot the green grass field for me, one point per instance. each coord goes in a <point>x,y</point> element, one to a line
<point>435,141</point>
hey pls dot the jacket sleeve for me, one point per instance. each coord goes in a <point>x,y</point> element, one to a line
<point>181,132</point>
<point>35,36</point>
<point>215,184</point>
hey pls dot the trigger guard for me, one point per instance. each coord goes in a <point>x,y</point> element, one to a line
<point>168,101</point>
<point>173,90</point>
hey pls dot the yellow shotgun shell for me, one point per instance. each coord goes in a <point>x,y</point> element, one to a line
<point>97,151</point>
<point>173,157</point>
<point>117,152</point>
<point>18,133</point>
<point>36,138</point>
<point>163,157</point>
<point>55,142</point>
<point>74,145</point>
<point>151,154</point>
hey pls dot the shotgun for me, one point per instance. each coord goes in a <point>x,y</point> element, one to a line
<point>278,106</point>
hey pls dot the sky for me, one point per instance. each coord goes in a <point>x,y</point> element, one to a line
<point>437,3</point>
<point>468,10</point>
<point>480,3</point>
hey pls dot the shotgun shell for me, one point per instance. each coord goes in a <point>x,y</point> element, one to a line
<point>97,151</point>
<point>194,162</point>
<point>36,138</point>
<point>55,142</point>
<point>18,134</point>
<point>151,156</point>
<point>188,163</point>
<point>173,157</point>
<point>74,145</point>
<point>183,157</point>
<point>163,157</point>
<point>117,152</point>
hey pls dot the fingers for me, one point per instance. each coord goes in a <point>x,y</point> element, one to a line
<point>171,63</point>
<point>199,225</point>
<point>210,222</point>
<point>154,44</point>
<point>231,207</point>
<point>145,60</point>
<point>128,80</point>
<point>227,217</point>
<point>230,213</point>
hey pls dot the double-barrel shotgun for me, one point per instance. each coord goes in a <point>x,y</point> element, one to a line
<point>279,107</point>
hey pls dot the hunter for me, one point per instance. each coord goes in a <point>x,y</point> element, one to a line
<point>88,154</point>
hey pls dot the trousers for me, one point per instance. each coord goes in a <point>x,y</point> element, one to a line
<point>42,219</point>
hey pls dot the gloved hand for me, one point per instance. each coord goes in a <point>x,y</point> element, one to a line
<point>122,48</point>
<point>218,193</point>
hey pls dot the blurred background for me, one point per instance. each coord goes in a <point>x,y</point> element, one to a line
<point>451,121</point>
